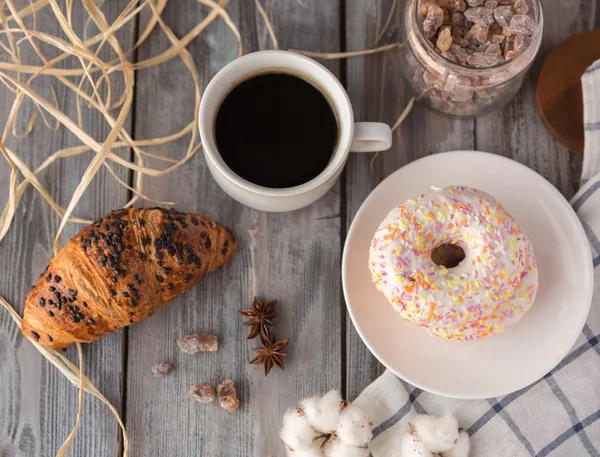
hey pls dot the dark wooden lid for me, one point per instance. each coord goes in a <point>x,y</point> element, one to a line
<point>559,95</point>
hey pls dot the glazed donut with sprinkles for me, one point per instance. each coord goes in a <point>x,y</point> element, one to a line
<point>454,262</point>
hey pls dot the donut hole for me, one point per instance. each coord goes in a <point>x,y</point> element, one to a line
<point>448,255</point>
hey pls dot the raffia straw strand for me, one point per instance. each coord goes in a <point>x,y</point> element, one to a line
<point>27,131</point>
<point>387,23</point>
<point>11,205</point>
<point>70,371</point>
<point>345,55</point>
<point>63,449</point>
<point>267,24</point>
<point>114,66</point>
<point>407,109</point>
<point>31,9</point>
<point>117,137</point>
<point>95,89</point>
<point>404,113</point>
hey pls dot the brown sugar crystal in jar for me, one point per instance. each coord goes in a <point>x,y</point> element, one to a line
<point>469,57</point>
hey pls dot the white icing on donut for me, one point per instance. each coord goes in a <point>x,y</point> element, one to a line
<point>487,292</point>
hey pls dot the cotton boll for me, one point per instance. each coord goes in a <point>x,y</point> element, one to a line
<point>462,448</point>
<point>296,431</point>
<point>312,451</point>
<point>323,413</point>
<point>354,427</point>
<point>336,448</point>
<point>438,433</point>
<point>414,447</point>
<point>423,425</point>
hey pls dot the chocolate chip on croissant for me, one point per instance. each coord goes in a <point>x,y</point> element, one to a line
<point>121,269</point>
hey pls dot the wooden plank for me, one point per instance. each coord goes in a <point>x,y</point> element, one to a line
<point>37,404</point>
<point>293,257</point>
<point>378,93</point>
<point>375,80</point>
<point>517,131</point>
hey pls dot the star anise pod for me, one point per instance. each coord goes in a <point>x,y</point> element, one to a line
<point>271,353</point>
<point>260,318</point>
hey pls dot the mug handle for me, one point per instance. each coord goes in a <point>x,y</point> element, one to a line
<point>371,137</point>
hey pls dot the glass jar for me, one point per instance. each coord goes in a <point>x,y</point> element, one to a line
<point>455,88</point>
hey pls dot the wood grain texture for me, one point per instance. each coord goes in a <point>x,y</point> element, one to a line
<point>293,257</point>
<point>517,131</point>
<point>378,93</point>
<point>37,404</point>
<point>559,92</point>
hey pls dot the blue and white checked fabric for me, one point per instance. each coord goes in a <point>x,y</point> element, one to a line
<point>591,118</point>
<point>559,415</point>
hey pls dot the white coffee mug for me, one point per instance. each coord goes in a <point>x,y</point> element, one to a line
<point>355,137</point>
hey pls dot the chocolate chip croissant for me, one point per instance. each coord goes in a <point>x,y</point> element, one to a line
<point>121,269</point>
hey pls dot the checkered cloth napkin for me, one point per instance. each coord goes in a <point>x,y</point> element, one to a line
<point>559,415</point>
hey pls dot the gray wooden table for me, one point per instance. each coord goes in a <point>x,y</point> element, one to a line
<point>294,257</point>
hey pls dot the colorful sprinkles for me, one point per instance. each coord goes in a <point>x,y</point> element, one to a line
<point>486,293</point>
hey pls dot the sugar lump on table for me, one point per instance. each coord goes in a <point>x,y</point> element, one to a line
<point>202,393</point>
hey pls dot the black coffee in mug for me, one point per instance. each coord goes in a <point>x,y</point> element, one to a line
<point>276,130</point>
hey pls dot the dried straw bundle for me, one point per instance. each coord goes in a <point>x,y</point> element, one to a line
<point>94,88</point>
<point>18,77</point>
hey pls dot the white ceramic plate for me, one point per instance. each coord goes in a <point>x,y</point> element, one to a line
<point>504,363</point>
